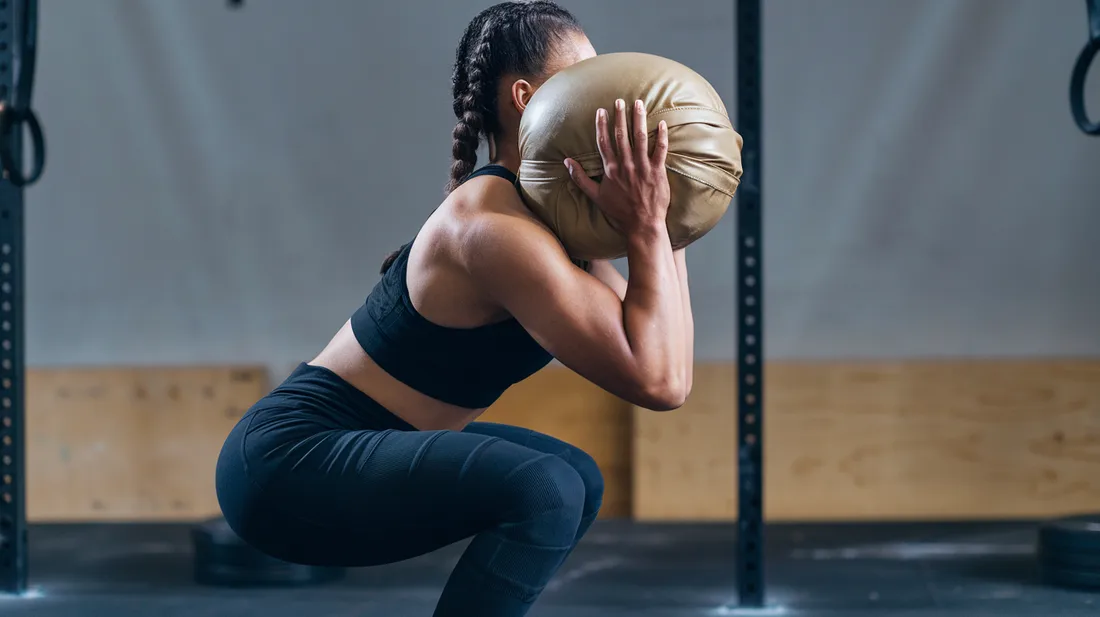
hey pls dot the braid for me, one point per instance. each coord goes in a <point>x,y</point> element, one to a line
<point>458,77</point>
<point>511,37</point>
<point>474,103</point>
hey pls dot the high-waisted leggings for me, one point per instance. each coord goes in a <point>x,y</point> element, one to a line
<point>318,473</point>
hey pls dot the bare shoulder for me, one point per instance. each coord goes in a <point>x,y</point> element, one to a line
<point>500,232</point>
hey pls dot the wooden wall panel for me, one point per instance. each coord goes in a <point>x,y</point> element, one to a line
<point>130,444</point>
<point>844,441</point>
<point>884,440</point>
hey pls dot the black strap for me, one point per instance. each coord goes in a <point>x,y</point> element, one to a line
<point>493,170</point>
<point>503,172</point>
<point>17,111</point>
<point>1081,71</point>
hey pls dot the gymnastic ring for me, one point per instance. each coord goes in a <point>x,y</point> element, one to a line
<point>1077,88</point>
<point>10,119</point>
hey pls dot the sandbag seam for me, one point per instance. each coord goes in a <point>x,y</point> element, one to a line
<point>736,181</point>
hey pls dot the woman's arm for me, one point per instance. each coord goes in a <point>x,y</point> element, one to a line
<point>606,273</point>
<point>689,321</point>
<point>631,346</point>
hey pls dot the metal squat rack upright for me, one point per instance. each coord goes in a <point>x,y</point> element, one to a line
<point>18,46</point>
<point>750,313</point>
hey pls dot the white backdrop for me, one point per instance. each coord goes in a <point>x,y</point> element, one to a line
<point>222,185</point>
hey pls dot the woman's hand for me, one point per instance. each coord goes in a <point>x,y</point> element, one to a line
<point>634,192</point>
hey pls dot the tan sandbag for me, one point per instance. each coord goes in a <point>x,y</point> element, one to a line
<point>704,158</point>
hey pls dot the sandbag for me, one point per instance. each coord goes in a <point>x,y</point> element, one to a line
<point>703,163</point>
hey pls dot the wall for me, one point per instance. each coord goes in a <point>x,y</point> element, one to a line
<point>222,185</point>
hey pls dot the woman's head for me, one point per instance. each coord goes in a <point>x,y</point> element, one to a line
<point>508,50</point>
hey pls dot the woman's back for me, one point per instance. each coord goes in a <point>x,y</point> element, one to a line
<point>427,343</point>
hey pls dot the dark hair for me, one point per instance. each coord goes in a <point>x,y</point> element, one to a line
<point>510,37</point>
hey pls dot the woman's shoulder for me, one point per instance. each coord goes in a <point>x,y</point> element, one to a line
<point>490,220</point>
<point>492,206</point>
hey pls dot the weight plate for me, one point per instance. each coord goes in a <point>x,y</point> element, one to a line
<point>1075,533</point>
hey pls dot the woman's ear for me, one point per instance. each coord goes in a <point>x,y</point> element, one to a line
<point>522,90</point>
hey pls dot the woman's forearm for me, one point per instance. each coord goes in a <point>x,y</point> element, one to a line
<point>651,311</point>
<point>689,322</point>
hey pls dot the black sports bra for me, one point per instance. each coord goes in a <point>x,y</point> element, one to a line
<point>467,367</point>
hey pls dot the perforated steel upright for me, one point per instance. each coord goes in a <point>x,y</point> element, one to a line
<point>750,312</point>
<point>13,519</point>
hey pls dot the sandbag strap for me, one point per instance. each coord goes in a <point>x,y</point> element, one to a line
<point>677,116</point>
<point>592,163</point>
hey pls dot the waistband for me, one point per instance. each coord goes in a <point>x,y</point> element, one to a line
<point>328,396</point>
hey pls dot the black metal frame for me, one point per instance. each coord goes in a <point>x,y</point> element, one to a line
<point>18,34</point>
<point>750,312</point>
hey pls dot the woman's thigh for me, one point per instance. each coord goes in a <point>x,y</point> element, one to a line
<point>580,460</point>
<point>527,438</point>
<point>359,498</point>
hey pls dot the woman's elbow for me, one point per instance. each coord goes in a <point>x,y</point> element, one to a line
<point>666,396</point>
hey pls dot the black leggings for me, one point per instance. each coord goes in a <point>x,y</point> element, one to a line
<point>318,473</point>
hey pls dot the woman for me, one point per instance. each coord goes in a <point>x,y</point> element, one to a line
<point>369,453</point>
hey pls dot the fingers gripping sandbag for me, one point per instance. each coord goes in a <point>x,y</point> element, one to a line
<point>703,162</point>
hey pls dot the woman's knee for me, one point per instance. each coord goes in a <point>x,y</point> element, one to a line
<point>549,495</point>
<point>591,476</point>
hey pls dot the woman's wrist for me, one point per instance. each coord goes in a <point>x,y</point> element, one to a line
<point>648,232</point>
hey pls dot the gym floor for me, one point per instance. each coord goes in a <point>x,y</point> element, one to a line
<point>971,570</point>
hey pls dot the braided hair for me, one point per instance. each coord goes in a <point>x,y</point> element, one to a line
<point>511,37</point>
